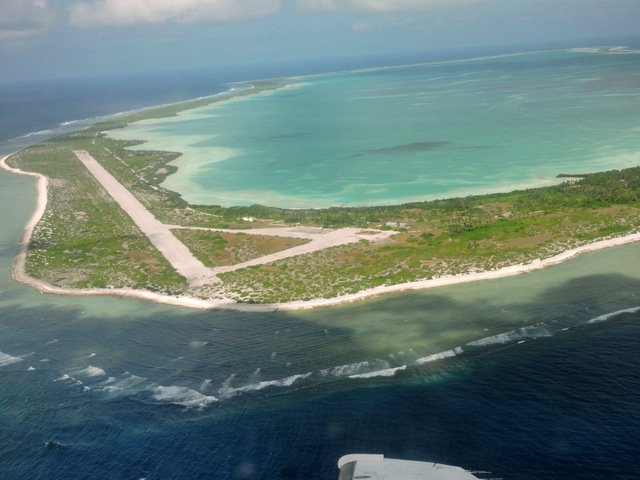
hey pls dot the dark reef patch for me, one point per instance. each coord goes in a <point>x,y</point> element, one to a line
<point>405,148</point>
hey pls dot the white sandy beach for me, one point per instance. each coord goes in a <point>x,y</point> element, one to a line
<point>20,275</point>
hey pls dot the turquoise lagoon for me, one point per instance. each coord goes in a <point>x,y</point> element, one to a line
<point>389,135</point>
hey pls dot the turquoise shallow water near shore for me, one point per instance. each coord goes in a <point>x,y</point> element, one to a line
<point>395,134</point>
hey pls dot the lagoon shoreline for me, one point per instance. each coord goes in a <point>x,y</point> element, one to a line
<point>19,271</point>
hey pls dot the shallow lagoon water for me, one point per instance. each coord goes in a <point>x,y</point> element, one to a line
<point>390,135</point>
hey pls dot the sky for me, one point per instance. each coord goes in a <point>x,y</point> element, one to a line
<point>47,39</point>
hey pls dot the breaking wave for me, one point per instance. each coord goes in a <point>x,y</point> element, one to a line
<point>387,372</point>
<point>40,132</point>
<point>127,385</point>
<point>348,369</point>
<point>91,371</point>
<point>182,396</point>
<point>72,380</point>
<point>440,356</point>
<point>227,391</point>
<point>6,359</point>
<point>608,316</point>
<point>534,331</point>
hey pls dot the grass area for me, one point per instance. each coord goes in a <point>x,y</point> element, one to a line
<point>215,249</point>
<point>85,240</point>
<point>427,253</point>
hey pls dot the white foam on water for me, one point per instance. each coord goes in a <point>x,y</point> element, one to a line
<point>52,342</point>
<point>91,355</point>
<point>30,369</point>
<point>534,331</point>
<point>69,378</point>
<point>6,359</point>
<point>388,372</point>
<point>182,396</point>
<point>128,384</point>
<point>608,316</point>
<point>205,385</point>
<point>227,390</point>
<point>33,134</point>
<point>349,369</point>
<point>91,371</point>
<point>198,344</point>
<point>439,356</point>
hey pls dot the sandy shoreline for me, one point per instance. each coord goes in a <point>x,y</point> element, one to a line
<point>19,271</point>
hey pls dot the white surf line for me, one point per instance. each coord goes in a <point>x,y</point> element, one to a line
<point>160,235</point>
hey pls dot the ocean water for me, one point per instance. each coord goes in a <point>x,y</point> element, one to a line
<point>530,377</point>
<point>389,135</point>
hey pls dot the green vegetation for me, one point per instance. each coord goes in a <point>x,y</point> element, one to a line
<point>430,249</point>
<point>215,249</point>
<point>85,240</point>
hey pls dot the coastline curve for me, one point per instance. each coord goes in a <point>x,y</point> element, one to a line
<point>19,272</point>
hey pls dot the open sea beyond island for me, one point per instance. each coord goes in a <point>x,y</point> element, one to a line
<point>529,377</point>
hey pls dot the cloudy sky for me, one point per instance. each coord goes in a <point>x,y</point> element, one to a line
<point>67,38</point>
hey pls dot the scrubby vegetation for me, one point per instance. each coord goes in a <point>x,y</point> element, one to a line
<point>215,249</point>
<point>85,240</point>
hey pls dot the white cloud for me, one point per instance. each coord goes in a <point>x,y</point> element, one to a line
<point>379,5</point>
<point>127,12</point>
<point>20,19</point>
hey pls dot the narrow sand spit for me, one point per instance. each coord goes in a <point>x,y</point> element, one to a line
<point>228,304</point>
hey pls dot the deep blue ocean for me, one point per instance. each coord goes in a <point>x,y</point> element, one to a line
<point>531,377</point>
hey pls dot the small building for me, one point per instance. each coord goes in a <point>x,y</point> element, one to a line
<point>396,225</point>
